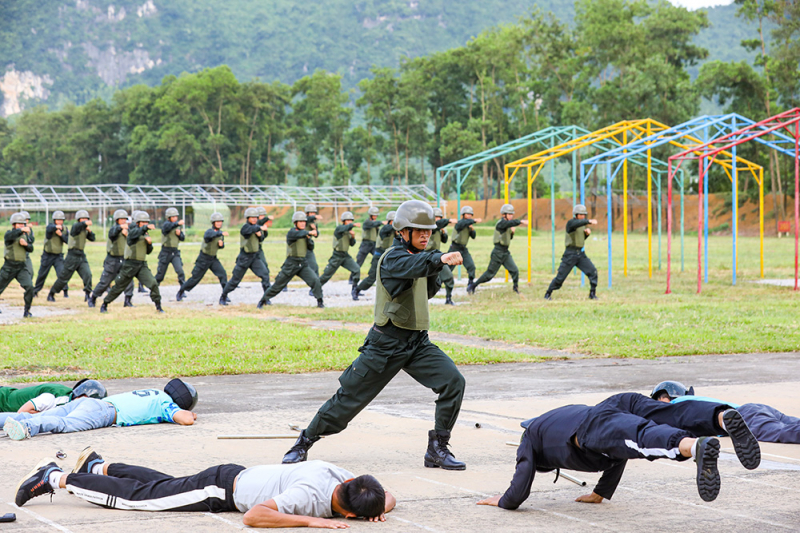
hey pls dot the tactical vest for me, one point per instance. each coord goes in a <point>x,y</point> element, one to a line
<point>137,252</point>
<point>249,245</point>
<point>298,248</point>
<point>462,237</point>
<point>576,238</point>
<point>211,248</point>
<point>116,248</point>
<point>386,242</point>
<point>369,234</point>
<point>78,242</point>
<point>15,251</point>
<point>55,244</point>
<point>502,238</point>
<point>343,243</point>
<point>170,240</point>
<point>409,310</point>
<point>436,241</point>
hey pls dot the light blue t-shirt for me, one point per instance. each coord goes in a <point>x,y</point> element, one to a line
<point>146,406</point>
<point>702,399</point>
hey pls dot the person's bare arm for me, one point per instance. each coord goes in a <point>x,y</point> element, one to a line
<point>267,515</point>
<point>184,418</point>
<point>27,407</point>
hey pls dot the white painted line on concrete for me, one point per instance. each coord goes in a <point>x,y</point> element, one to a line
<point>731,450</point>
<point>728,476</point>
<point>217,517</point>
<point>426,528</point>
<point>546,511</point>
<point>727,512</point>
<point>41,519</point>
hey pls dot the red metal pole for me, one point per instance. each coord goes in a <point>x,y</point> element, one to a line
<point>701,160</point>
<point>669,223</point>
<point>796,197</point>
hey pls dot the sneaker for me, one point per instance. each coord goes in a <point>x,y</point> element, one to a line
<point>36,482</point>
<point>16,430</point>
<point>747,449</point>
<point>86,461</point>
<point>708,481</point>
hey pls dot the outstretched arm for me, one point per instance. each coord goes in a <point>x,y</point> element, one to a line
<point>521,483</point>
<point>267,515</point>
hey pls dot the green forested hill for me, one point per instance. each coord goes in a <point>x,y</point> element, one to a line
<point>78,49</point>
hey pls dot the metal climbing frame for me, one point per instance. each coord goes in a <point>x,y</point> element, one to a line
<point>604,139</point>
<point>696,131</point>
<point>754,131</point>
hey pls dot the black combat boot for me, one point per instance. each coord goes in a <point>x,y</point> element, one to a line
<point>128,302</point>
<point>92,300</point>
<point>311,292</point>
<point>86,295</point>
<point>180,296</point>
<point>516,288</point>
<point>438,454</point>
<point>27,313</point>
<point>223,300</point>
<point>158,307</point>
<point>471,287</point>
<point>299,452</point>
<point>51,297</point>
<point>320,304</point>
<point>262,303</point>
<point>592,293</point>
<point>548,295</point>
<point>104,308</point>
<point>227,300</point>
<point>355,292</point>
<point>66,293</point>
<point>448,301</point>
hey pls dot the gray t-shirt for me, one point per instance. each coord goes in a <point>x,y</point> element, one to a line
<point>299,489</point>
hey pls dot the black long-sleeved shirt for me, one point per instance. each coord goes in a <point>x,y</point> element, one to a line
<point>341,230</point>
<point>14,235</point>
<point>169,227</point>
<point>79,227</point>
<point>547,444</point>
<point>370,224</point>
<point>294,235</point>
<point>464,222</point>
<point>249,229</point>
<point>400,268</point>
<point>50,230</point>
<point>213,234</point>
<point>114,232</point>
<point>576,223</point>
<point>136,233</point>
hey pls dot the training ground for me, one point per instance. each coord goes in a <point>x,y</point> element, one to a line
<point>388,440</point>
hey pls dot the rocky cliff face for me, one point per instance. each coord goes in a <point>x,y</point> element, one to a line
<point>19,87</point>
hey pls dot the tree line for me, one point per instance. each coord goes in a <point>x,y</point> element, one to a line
<point>621,59</point>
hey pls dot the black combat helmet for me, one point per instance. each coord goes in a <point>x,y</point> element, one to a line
<point>88,387</point>
<point>183,394</point>
<point>414,214</point>
<point>673,389</point>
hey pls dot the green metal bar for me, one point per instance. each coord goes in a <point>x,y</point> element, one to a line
<point>659,220</point>
<point>552,210</point>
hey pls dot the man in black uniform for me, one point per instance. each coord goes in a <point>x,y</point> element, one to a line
<point>311,225</point>
<point>138,246</point>
<point>16,246</point>
<point>385,239</point>
<point>574,256</point>
<point>76,258</point>
<point>56,237</point>
<point>407,279</point>
<point>171,234</point>
<point>250,238</point>
<point>264,220</point>
<point>343,238</point>
<point>115,250</point>
<point>141,289</point>
<point>438,237</point>
<point>298,239</point>
<point>501,255</point>
<point>369,234</point>
<point>463,233</point>
<point>31,239</point>
<point>213,242</point>
<point>627,426</point>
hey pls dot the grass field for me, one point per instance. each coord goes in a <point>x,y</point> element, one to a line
<point>633,319</point>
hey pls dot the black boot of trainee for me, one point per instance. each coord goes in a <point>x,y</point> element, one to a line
<point>66,293</point>
<point>299,452</point>
<point>262,303</point>
<point>27,313</point>
<point>448,301</point>
<point>92,300</point>
<point>104,308</point>
<point>548,295</point>
<point>515,288</point>
<point>593,293</point>
<point>51,297</point>
<point>127,302</point>
<point>158,307</point>
<point>223,300</point>
<point>438,454</point>
<point>320,303</point>
<point>86,295</point>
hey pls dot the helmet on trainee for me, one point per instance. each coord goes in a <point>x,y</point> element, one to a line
<point>141,216</point>
<point>261,210</point>
<point>507,209</point>
<point>467,210</point>
<point>347,215</point>
<point>250,212</point>
<point>299,216</point>
<point>90,388</point>
<point>17,218</point>
<point>374,211</point>
<point>58,215</point>
<point>217,217</point>
<point>437,212</point>
<point>83,213</point>
<point>172,212</point>
<point>183,394</point>
<point>311,208</point>
<point>390,215</point>
<point>673,389</point>
<point>414,214</point>
<point>579,209</point>
<point>26,215</point>
<point>120,213</point>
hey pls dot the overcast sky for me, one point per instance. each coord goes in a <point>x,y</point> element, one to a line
<point>696,4</point>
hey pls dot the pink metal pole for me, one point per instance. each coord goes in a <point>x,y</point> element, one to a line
<point>669,223</point>
<point>796,198</point>
<point>700,224</point>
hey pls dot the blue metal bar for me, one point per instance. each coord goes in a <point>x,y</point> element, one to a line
<point>552,210</point>
<point>707,166</point>
<point>609,215</point>
<point>735,188</point>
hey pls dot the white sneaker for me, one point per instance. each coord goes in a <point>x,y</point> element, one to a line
<point>16,430</point>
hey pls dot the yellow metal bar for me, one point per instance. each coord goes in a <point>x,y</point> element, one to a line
<point>506,180</point>
<point>530,215</point>
<point>625,205</point>
<point>761,216</point>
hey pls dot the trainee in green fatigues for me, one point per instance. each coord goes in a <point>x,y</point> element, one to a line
<point>343,239</point>
<point>438,237</point>
<point>385,239</point>
<point>576,232</point>
<point>171,235</point>
<point>213,242</point>
<point>137,248</point>
<point>112,264</point>
<point>76,258</point>
<point>369,235</point>
<point>14,268</point>
<point>501,255</point>
<point>56,236</point>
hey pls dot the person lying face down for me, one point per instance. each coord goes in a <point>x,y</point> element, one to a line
<point>297,495</point>
<point>626,426</point>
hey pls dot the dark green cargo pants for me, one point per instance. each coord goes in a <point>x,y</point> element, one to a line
<point>203,264</point>
<point>501,257</point>
<point>17,270</point>
<point>170,256</point>
<point>75,262</point>
<point>446,278</point>
<point>311,261</point>
<point>573,257</point>
<point>48,261</point>
<point>382,357</point>
<point>111,267</point>
<point>294,266</point>
<point>372,275</point>
<point>134,269</point>
<point>245,261</point>
<point>469,264</point>
<point>340,259</point>
<point>366,249</point>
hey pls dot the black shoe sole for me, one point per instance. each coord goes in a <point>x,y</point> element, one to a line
<point>747,449</point>
<point>708,480</point>
<point>82,459</point>
<point>431,464</point>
